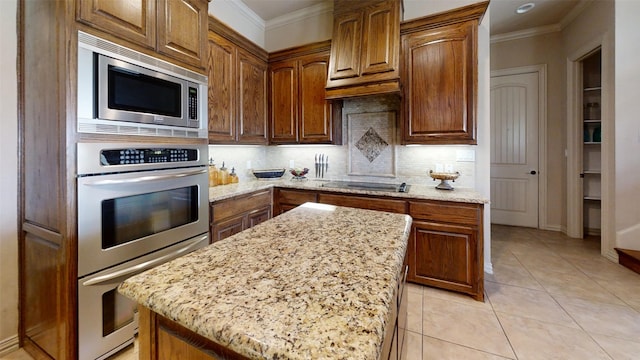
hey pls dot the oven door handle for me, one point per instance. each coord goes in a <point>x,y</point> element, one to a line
<point>130,271</point>
<point>139,179</point>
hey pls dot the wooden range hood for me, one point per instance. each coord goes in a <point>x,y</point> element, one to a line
<point>365,49</point>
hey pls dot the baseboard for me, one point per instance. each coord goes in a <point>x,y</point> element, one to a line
<point>593,232</point>
<point>9,345</point>
<point>552,228</point>
<point>488,268</point>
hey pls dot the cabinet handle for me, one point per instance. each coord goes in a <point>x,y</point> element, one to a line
<point>532,172</point>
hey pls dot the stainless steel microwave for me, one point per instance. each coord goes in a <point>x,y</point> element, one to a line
<point>125,92</point>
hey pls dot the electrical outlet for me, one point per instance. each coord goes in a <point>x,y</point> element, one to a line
<point>248,164</point>
<point>292,164</point>
<point>465,155</point>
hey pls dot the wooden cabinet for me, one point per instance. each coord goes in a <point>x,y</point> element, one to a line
<point>439,77</point>
<point>446,247</point>
<point>365,49</point>
<point>230,216</point>
<point>298,110</point>
<point>287,199</point>
<point>175,28</point>
<point>135,22</point>
<point>364,202</point>
<point>182,30</point>
<point>237,97</point>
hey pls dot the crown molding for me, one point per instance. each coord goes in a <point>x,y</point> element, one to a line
<point>573,14</point>
<point>515,35</point>
<point>249,14</point>
<point>298,15</point>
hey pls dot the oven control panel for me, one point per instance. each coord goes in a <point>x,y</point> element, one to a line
<point>146,156</point>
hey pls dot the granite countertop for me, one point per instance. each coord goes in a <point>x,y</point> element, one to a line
<point>314,283</point>
<point>417,191</point>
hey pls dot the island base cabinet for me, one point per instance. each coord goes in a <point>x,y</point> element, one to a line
<point>160,338</point>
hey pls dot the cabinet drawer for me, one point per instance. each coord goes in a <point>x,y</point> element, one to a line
<point>224,209</point>
<point>363,202</point>
<point>468,214</point>
<point>292,197</point>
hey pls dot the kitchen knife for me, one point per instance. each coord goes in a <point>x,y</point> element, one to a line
<point>326,164</point>
<point>317,164</point>
<point>321,165</point>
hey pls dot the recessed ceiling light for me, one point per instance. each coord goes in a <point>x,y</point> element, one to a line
<point>525,8</point>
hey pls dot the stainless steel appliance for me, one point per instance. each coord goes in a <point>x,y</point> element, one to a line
<point>122,91</point>
<point>139,205</point>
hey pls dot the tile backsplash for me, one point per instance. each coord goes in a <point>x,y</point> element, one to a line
<point>411,164</point>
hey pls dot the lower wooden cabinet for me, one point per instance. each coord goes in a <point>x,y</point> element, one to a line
<point>364,202</point>
<point>230,216</point>
<point>446,247</point>
<point>286,199</point>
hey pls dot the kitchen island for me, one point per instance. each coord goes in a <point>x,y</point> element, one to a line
<point>319,281</point>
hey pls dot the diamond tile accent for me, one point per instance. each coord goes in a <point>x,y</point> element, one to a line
<point>371,144</point>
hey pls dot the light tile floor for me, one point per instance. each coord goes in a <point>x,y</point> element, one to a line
<point>550,297</point>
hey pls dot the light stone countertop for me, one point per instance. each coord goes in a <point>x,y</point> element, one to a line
<point>314,283</point>
<point>417,191</point>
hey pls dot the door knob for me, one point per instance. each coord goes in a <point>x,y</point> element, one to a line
<point>532,172</point>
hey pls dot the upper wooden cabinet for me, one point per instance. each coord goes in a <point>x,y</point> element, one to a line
<point>365,49</point>
<point>175,28</point>
<point>440,77</point>
<point>298,110</point>
<point>182,29</point>
<point>237,98</point>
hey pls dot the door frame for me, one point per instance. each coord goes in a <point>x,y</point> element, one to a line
<point>574,143</point>
<point>541,70</point>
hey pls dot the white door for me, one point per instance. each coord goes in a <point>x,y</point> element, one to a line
<point>514,149</point>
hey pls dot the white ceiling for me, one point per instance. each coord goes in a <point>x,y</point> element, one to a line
<point>503,16</point>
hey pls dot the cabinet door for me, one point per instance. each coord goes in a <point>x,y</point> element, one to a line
<point>182,29</point>
<point>252,99</point>
<point>345,49</point>
<point>228,227</point>
<point>440,81</point>
<point>316,120</point>
<point>283,112</point>
<point>222,91</point>
<point>258,216</point>
<point>133,20</point>
<point>445,256</point>
<point>380,39</point>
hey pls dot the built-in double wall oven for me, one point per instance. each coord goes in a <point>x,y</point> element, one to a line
<point>139,203</point>
<point>138,206</point>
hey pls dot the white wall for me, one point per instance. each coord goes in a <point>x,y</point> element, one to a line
<point>240,18</point>
<point>627,129</point>
<point>285,31</point>
<point>8,179</point>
